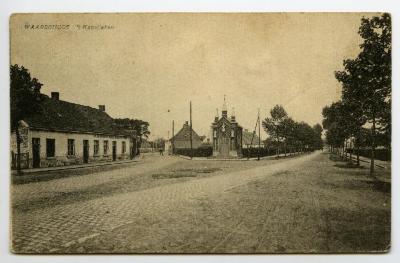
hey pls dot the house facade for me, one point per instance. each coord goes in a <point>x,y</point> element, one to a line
<point>251,140</point>
<point>181,140</point>
<point>65,133</point>
<point>226,135</point>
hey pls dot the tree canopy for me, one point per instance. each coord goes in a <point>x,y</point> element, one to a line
<point>366,90</point>
<point>24,94</point>
<point>140,127</point>
<point>286,133</point>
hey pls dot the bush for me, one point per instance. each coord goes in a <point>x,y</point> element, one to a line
<point>202,151</point>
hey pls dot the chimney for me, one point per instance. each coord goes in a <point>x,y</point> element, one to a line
<point>102,108</point>
<point>55,95</point>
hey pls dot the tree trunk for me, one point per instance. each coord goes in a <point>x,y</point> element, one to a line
<point>351,155</point>
<point>371,171</point>
<point>278,148</point>
<point>285,149</point>
<point>18,151</point>
<point>358,155</point>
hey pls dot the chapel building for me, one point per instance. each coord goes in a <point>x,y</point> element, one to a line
<point>226,135</point>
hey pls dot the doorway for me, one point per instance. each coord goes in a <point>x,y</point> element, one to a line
<point>35,152</point>
<point>224,147</point>
<point>114,150</point>
<point>85,151</point>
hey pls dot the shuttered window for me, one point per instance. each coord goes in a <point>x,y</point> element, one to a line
<point>50,147</point>
<point>96,147</point>
<point>71,147</point>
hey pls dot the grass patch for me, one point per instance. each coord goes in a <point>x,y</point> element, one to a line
<point>185,172</point>
<point>335,158</point>
<point>349,165</point>
<point>171,175</point>
<point>380,186</point>
<point>282,173</point>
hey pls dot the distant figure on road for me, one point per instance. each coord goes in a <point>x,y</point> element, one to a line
<point>161,152</point>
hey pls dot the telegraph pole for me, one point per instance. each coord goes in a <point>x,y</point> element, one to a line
<point>191,137</point>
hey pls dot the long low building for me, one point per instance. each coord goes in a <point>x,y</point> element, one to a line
<point>65,133</point>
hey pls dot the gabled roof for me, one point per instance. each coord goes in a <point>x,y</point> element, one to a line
<point>63,116</point>
<point>184,134</point>
<point>246,138</point>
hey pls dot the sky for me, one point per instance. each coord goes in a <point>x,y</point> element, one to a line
<point>149,66</point>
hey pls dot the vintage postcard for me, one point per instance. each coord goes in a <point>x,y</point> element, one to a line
<point>200,133</point>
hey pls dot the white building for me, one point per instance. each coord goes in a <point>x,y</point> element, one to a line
<point>65,133</point>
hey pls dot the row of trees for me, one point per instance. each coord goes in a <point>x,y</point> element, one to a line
<point>363,115</point>
<point>287,135</point>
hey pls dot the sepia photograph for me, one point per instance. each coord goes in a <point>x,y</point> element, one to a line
<point>200,133</point>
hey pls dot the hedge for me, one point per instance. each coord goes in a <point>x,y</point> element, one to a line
<point>380,154</point>
<point>207,151</point>
<point>253,152</point>
<point>202,151</point>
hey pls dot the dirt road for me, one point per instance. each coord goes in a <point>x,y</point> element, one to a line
<point>251,210</point>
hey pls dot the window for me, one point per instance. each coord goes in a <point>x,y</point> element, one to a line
<point>50,147</point>
<point>96,147</point>
<point>105,149</point>
<point>71,147</point>
<point>123,147</point>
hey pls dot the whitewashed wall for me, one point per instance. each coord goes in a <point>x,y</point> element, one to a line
<point>61,147</point>
<point>61,140</point>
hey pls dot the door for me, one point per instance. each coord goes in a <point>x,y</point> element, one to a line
<point>224,147</point>
<point>114,150</point>
<point>35,152</point>
<point>85,151</point>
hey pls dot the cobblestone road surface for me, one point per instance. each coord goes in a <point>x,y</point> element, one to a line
<point>55,229</point>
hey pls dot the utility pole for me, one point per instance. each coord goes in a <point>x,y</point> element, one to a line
<point>259,135</point>
<point>191,136</point>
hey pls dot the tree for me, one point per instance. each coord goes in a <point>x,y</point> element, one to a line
<point>366,81</point>
<point>283,130</point>
<point>274,125</point>
<point>24,101</point>
<point>317,128</point>
<point>288,133</point>
<point>305,136</point>
<point>140,127</point>
<point>335,123</point>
